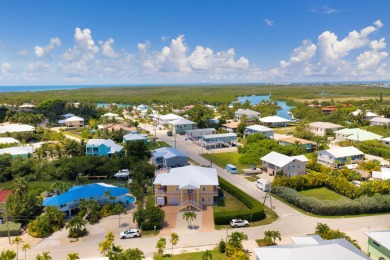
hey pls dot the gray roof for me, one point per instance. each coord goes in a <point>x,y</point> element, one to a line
<point>182,121</point>
<point>167,152</point>
<point>246,112</point>
<point>134,137</point>
<point>259,128</point>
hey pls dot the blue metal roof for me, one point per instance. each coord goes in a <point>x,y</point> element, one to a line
<point>84,192</point>
<point>167,152</point>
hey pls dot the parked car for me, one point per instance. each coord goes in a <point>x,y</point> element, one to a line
<point>130,233</point>
<point>237,222</point>
<point>263,185</point>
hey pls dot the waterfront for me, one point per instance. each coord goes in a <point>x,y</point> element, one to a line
<point>283,112</point>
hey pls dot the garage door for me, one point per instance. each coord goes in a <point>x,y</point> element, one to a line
<point>174,201</point>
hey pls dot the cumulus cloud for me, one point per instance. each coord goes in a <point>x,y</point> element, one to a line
<point>4,68</point>
<point>44,51</point>
<point>107,49</point>
<point>301,54</point>
<point>269,22</point>
<point>84,46</point>
<point>143,47</point>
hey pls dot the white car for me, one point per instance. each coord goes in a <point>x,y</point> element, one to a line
<point>130,233</point>
<point>237,222</point>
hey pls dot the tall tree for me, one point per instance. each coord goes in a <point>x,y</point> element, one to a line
<point>106,244</point>
<point>161,244</point>
<point>26,247</point>
<point>17,240</point>
<point>174,239</point>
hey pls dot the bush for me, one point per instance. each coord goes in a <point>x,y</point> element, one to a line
<point>255,212</point>
<point>222,246</point>
<point>14,229</point>
<point>362,205</point>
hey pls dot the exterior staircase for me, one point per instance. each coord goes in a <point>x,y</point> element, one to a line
<point>188,204</point>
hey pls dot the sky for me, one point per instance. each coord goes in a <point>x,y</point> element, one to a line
<point>73,42</point>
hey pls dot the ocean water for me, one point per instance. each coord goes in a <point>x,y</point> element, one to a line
<point>257,99</point>
<point>4,89</point>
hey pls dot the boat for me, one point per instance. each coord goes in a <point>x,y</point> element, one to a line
<point>122,174</point>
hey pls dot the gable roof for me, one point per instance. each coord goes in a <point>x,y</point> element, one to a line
<point>18,150</point>
<point>380,119</point>
<point>231,125</point>
<point>170,117</point>
<point>85,192</point>
<point>246,112</point>
<point>167,152</point>
<point>4,194</point>
<point>107,142</point>
<point>367,112</point>
<point>344,151</point>
<point>382,237</point>
<point>15,128</point>
<point>325,125</point>
<point>188,177</point>
<point>134,137</point>
<point>384,174</point>
<point>259,128</point>
<point>8,140</point>
<point>292,140</point>
<point>182,121</point>
<point>357,134</point>
<point>274,119</point>
<point>281,160</point>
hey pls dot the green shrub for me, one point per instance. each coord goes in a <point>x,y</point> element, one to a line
<point>255,212</point>
<point>362,205</point>
<point>14,229</point>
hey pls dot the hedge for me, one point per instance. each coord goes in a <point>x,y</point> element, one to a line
<point>14,229</point>
<point>254,213</point>
<point>362,205</point>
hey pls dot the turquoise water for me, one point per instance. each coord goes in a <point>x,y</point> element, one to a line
<point>106,105</point>
<point>258,99</point>
<point>129,199</point>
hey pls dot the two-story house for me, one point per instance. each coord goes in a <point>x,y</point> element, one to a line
<point>167,157</point>
<point>250,114</point>
<point>338,157</point>
<point>266,131</point>
<point>322,128</point>
<point>102,147</point>
<point>74,121</point>
<point>180,126</point>
<point>189,186</point>
<point>290,165</point>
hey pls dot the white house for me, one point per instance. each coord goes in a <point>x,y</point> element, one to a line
<point>23,151</point>
<point>165,119</point>
<point>73,121</point>
<point>181,125</point>
<point>219,140</point>
<point>15,128</point>
<point>266,131</point>
<point>197,133</point>
<point>274,121</point>
<point>230,127</point>
<point>250,114</point>
<point>355,134</point>
<point>384,174</point>
<point>381,121</point>
<point>320,128</point>
<point>8,140</point>
<point>386,141</point>
<point>368,115</point>
<point>339,156</point>
<point>113,115</point>
<point>290,165</point>
<point>68,115</point>
<point>311,247</point>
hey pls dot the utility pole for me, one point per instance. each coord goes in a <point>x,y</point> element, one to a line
<point>6,220</point>
<point>175,138</point>
<point>211,159</point>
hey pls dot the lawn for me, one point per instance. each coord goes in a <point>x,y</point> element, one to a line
<point>229,203</point>
<point>322,194</point>
<point>221,159</point>
<point>156,145</point>
<point>251,179</point>
<point>216,255</point>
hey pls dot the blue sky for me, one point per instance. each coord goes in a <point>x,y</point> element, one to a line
<point>142,42</point>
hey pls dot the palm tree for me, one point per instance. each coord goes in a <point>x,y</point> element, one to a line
<point>26,247</point>
<point>106,244</point>
<point>322,229</point>
<point>114,252</point>
<point>236,238</point>
<point>174,240</point>
<point>17,241</point>
<point>268,235</point>
<point>207,255</point>
<point>118,209</point>
<point>161,243</point>
<point>189,216</point>
<point>276,235</point>
<point>20,187</point>
<point>44,256</point>
<point>76,226</point>
<point>73,256</point>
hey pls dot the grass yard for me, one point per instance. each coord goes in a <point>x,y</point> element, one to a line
<point>322,194</point>
<point>284,130</point>
<point>221,159</point>
<point>156,145</point>
<point>229,203</point>
<point>216,255</point>
<point>251,179</point>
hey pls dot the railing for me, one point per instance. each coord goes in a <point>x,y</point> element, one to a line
<point>192,203</point>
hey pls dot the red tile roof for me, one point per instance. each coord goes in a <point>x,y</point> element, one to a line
<point>4,194</point>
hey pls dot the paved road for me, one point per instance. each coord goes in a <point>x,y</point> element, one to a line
<point>290,222</point>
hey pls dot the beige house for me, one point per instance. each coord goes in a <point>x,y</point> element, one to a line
<point>189,186</point>
<point>320,128</point>
<point>291,166</point>
<point>73,121</point>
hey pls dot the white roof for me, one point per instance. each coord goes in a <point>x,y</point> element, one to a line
<point>188,177</point>
<point>281,160</point>
<point>274,119</point>
<point>219,135</point>
<point>386,139</point>
<point>325,125</point>
<point>382,237</point>
<point>335,249</point>
<point>182,121</point>
<point>384,174</point>
<point>307,240</point>
<point>380,119</point>
<point>201,130</point>
<point>27,106</point>
<point>133,137</point>
<point>15,128</point>
<point>344,151</point>
<point>170,117</point>
<point>8,140</point>
<point>247,112</point>
<point>110,115</point>
<point>71,119</point>
<point>17,150</point>
<point>68,115</point>
<point>368,113</point>
<point>259,128</point>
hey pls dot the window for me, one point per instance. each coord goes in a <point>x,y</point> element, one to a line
<point>202,199</point>
<point>375,243</point>
<point>208,199</point>
<point>204,189</point>
<point>177,188</point>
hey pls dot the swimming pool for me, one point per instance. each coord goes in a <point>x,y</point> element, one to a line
<point>130,199</point>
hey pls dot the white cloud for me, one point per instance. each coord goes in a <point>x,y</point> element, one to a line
<point>107,49</point>
<point>4,68</point>
<point>326,10</point>
<point>22,52</point>
<point>301,54</point>
<point>43,51</point>
<point>269,22</point>
<point>143,47</point>
<point>84,47</point>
